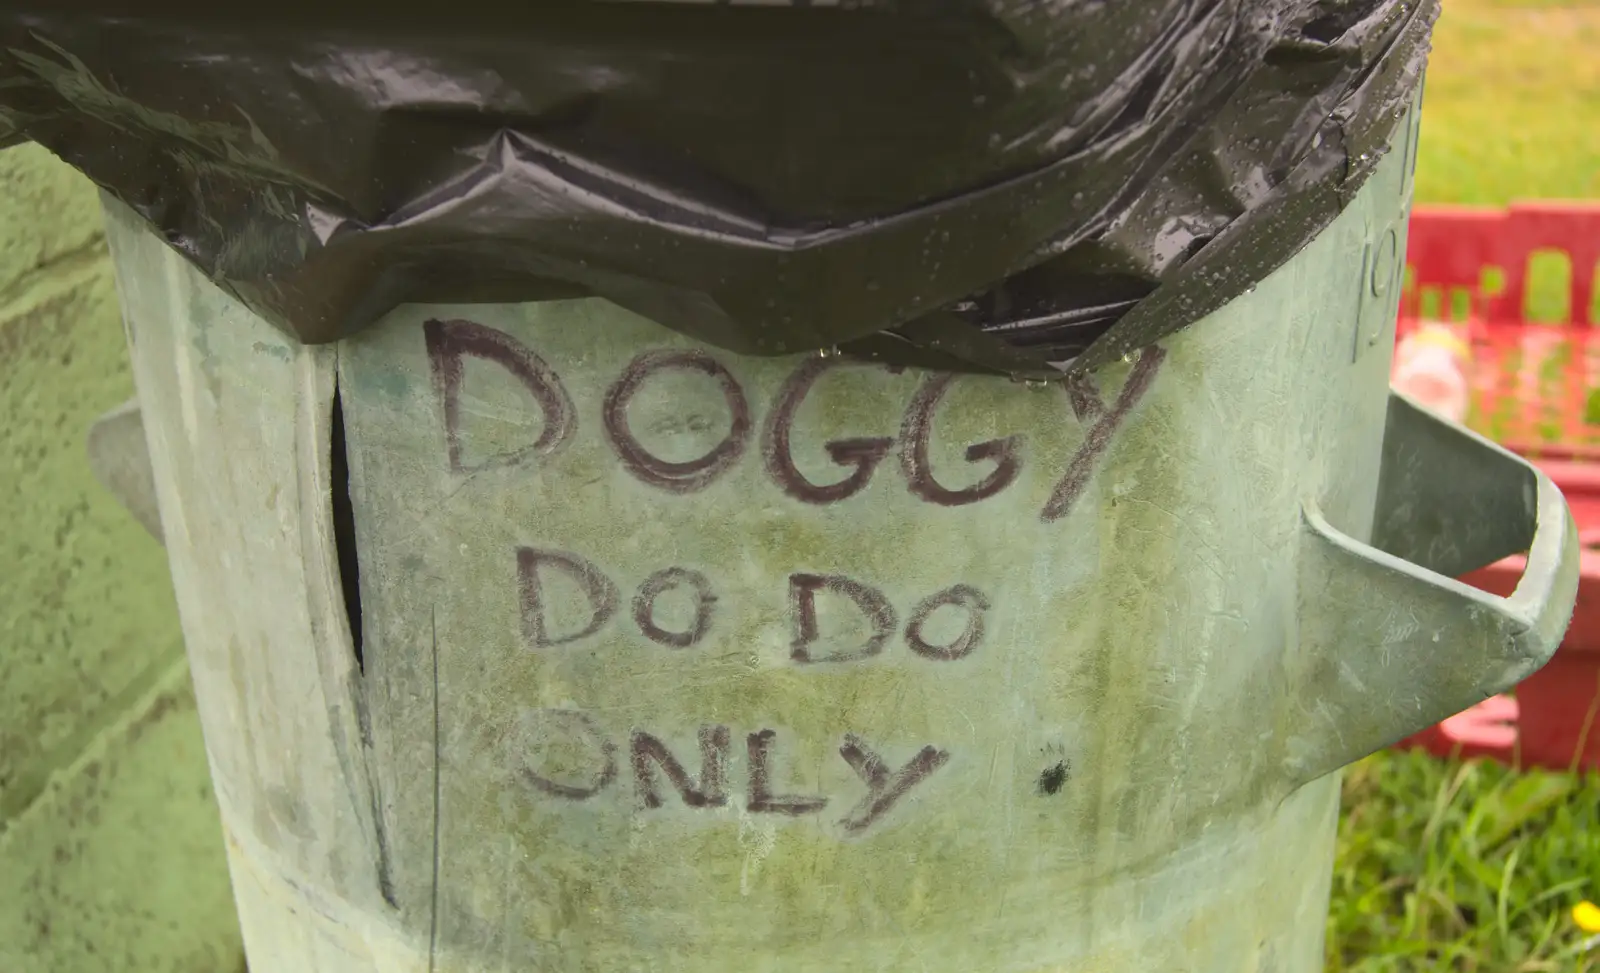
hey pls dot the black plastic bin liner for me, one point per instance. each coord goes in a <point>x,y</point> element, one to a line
<point>974,184</point>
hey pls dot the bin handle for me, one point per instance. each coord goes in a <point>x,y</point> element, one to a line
<point>120,459</point>
<point>1390,642</point>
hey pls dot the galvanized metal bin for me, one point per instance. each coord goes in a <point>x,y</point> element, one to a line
<point>541,638</point>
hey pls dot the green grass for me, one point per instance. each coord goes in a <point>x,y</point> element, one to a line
<point>1445,865</point>
<point>1512,107</point>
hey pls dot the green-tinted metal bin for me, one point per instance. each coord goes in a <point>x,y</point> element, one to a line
<point>539,637</point>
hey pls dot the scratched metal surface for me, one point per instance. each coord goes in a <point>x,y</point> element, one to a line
<point>677,660</point>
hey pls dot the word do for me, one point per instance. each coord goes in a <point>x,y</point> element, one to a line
<point>604,601</point>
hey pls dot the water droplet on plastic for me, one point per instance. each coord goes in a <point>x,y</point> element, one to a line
<point>830,352</point>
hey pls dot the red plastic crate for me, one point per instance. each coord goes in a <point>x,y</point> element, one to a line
<point>1531,389</point>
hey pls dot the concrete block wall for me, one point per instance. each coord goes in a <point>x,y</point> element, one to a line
<point>111,855</point>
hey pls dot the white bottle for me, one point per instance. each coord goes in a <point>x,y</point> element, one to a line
<point>1430,366</point>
